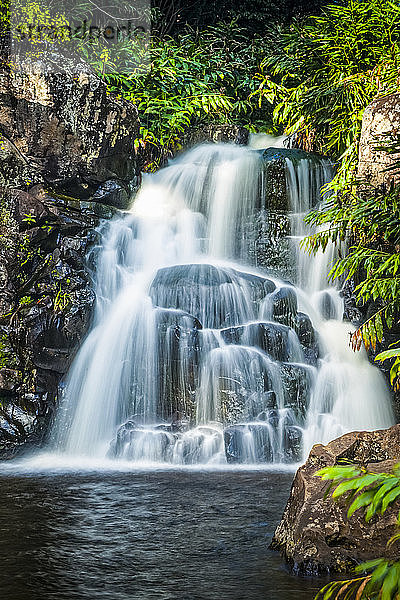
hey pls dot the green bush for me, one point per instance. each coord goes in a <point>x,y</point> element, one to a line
<point>193,79</point>
<point>324,71</point>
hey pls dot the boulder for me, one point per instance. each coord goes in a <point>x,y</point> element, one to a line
<point>315,536</point>
<point>214,295</point>
<point>284,305</point>
<point>297,380</point>
<point>381,120</point>
<point>177,343</point>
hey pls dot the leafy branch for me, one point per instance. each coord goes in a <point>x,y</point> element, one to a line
<point>372,493</point>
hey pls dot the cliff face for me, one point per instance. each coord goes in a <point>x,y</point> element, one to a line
<point>65,131</point>
<point>67,159</point>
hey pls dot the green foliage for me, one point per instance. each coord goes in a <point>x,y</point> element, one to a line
<point>63,299</point>
<point>30,219</point>
<point>193,79</point>
<point>324,71</point>
<point>25,301</point>
<point>7,356</point>
<point>395,367</point>
<point>372,493</point>
<point>253,15</point>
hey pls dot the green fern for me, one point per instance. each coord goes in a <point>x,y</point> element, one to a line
<point>372,493</point>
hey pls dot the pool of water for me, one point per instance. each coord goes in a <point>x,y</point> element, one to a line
<point>167,535</point>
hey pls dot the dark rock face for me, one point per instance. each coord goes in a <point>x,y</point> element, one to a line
<point>284,303</point>
<point>66,131</point>
<point>47,308</point>
<point>178,345</point>
<point>287,173</point>
<point>235,436</point>
<point>297,383</point>
<point>277,193</point>
<point>315,536</point>
<point>308,338</point>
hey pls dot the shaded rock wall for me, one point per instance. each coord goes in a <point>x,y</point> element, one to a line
<point>46,307</point>
<point>315,536</point>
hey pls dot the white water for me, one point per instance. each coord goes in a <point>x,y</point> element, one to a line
<point>195,359</point>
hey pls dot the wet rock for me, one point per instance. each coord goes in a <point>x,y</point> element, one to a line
<point>135,442</point>
<point>352,310</point>
<point>29,211</point>
<point>305,330</point>
<point>308,338</point>
<point>51,303</point>
<point>287,173</point>
<point>272,338</point>
<point>178,345</point>
<point>9,381</point>
<point>259,286</point>
<point>274,249</point>
<point>315,536</point>
<point>284,305</point>
<point>269,404</point>
<point>277,192</point>
<point>297,382</point>
<point>216,296</point>
<point>112,193</point>
<point>292,444</point>
<point>259,405</point>
<point>327,306</point>
<point>248,443</point>
<point>179,422</point>
<point>54,340</point>
<point>21,424</point>
<point>67,153</point>
<point>198,445</point>
<point>168,317</point>
<point>236,380</point>
<point>215,133</point>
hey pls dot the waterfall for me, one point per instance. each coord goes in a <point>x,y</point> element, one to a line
<point>195,355</point>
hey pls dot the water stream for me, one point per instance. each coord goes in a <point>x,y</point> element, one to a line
<point>203,382</point>
<point>195,355</point>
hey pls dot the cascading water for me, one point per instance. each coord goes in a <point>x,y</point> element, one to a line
<point>193,359</point>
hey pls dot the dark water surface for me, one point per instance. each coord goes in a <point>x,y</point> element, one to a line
<point>167,535</point>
